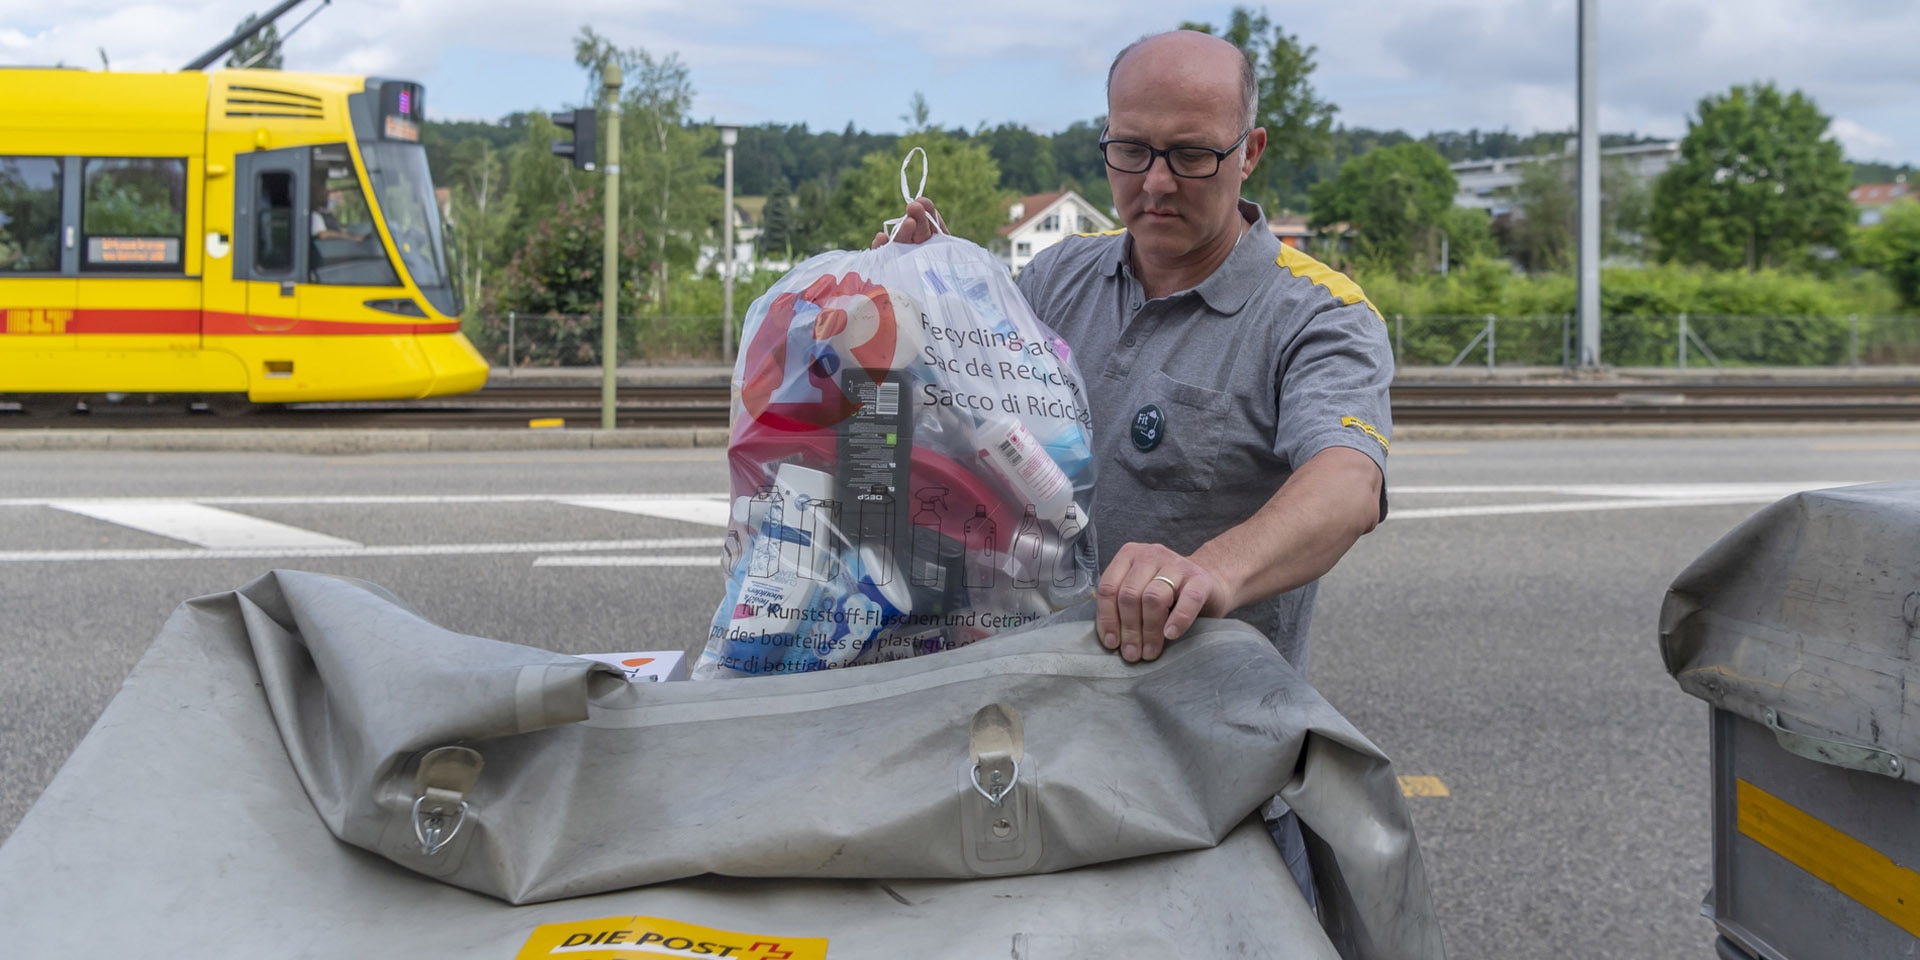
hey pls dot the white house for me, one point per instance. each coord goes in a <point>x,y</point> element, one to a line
<point>1037,222</point>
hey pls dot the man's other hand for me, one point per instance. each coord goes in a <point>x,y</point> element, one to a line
<point>923,221</point>
<point>1150,595</point>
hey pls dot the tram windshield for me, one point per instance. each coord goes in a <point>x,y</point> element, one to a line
<point>400,180</point>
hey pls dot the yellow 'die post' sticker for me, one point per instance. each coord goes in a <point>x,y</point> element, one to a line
<point>637,938</point>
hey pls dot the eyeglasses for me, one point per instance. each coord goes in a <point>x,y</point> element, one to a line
<point>1192,163</point>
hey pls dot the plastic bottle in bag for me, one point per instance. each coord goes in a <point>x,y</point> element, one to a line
<point>1009,449</point>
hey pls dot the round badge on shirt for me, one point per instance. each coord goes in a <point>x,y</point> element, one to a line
<point>1149,427</point>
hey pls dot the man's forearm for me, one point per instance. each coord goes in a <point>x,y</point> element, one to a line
<point>1330,502</point>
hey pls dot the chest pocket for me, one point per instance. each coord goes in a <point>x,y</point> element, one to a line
<point>1193,422</point>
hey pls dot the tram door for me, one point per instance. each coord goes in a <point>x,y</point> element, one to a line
<point>270,233</point>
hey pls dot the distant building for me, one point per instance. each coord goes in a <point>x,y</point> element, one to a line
<point>746,230</point>
<point>1037,222</point>
<point>1489,184</point>
<point>1291,230</point>
<point>1871,199</point>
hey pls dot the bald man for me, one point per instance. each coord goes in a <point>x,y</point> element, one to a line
<point>1238,387</point>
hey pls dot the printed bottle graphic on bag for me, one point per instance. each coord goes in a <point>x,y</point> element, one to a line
<point>817,560</point>
<point>1066,567</point>
<point>875,558</point>
<point>764,517</point>
<point>927,569</point>
<point>1026,551</point>
<point>982,555</point>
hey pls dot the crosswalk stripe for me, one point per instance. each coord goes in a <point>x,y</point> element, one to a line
<point>704,560</point>
<point>201,525</point>
<point>712,513</point>
<point>408,550</point>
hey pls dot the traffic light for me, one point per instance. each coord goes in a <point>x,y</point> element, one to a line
<point>584,123</point>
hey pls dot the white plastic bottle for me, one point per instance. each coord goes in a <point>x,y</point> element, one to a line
<point>1010,450</point>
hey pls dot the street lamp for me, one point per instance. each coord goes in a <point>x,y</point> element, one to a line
<point>729,135</point>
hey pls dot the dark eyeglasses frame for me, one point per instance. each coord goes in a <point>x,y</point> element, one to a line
<point>1154,153</point>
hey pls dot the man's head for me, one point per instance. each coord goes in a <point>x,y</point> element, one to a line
<point>1182,89</point>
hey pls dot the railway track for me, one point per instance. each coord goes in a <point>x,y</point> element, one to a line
<point>1424,402</point>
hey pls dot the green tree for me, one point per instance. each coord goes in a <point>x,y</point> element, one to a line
<point>555,277</point>
<point>812,217</point>
<point>540,181</point>
<point>1469,235</point>
<point>1892,247</point>
<point>1299,124</point>
<point>1540,230</point>
<point>1025,158</point>
<point>1396,198</point>
<point>776,222</point>
<point>961,176</point>
<point>668,165</point>
<point>1758,184</point>
<point>481,210</point>
<point>261,51</point>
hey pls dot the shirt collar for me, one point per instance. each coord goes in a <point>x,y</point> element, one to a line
<point>1231,284</point>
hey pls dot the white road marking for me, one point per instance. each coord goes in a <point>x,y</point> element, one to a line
<point>1692,491</point>
<point>416,550</point>
<point>224,535</point>
<point>201,525</point>
<point>1610,496</point>
<point>706,560</point>
<point>455,499</point>
<point>710,512</point>
<point>1566,506</point>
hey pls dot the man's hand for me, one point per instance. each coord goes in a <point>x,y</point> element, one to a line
<point>1150,595</point>
<point>922,223</point>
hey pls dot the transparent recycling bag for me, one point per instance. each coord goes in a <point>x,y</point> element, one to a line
<point>911,464</point>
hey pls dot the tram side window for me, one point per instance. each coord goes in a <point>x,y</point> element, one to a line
<point>346,247</point>
<point>133,213</point>
<point>273,236</point>
<point>29,215</point>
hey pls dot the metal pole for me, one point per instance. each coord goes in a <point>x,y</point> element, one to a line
<point>1399,338</point>
<point>1682,328</point>
<point>728,136</point>
<point>1489,343</point>
<point>1589,185</point>
<point>509,343</point>
<point>240,36</point>
<point>1853,339</point>
<point>610,249</point>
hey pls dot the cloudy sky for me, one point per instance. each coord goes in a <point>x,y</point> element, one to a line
<point>1417,65</point>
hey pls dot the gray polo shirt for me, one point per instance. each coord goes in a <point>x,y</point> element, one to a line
<point>1206,400</point>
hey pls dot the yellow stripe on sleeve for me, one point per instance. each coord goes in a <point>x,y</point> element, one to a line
<point>1342,287</point>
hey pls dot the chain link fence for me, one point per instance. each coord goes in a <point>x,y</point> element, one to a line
<point>1636,340</point>
<point>516,340</point>
<point>1657,340</point>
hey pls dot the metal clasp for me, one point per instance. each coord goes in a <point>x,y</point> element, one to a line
<point>445,778</point>
<point>1002,783</point>
<point>1853,756</point>
<point>430,825</point>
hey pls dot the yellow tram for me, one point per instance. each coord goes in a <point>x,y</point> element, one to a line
<point>241,232</point>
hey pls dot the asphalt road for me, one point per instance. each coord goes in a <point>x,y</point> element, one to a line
<point>1498,633</point>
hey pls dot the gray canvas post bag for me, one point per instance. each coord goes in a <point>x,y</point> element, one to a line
<point>531,776</point>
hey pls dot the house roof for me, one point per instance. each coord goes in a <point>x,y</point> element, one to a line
<point>1288,225</point>
<point>1875,194</point>
<point>1031,206</point>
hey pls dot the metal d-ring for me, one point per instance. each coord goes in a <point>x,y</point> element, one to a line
<point>1000,791</point>
<point>431,829</point>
